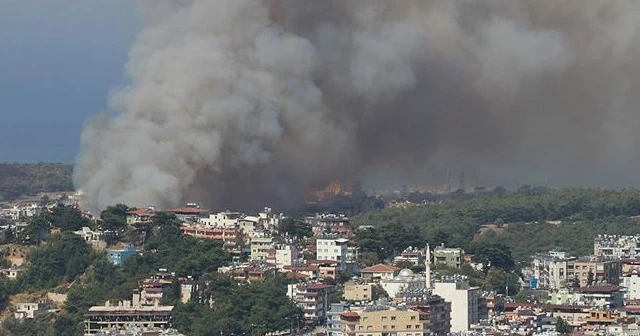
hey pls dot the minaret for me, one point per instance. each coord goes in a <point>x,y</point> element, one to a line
<point>427,268</point>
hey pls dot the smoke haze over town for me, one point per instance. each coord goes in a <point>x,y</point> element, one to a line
<point>239,103</point>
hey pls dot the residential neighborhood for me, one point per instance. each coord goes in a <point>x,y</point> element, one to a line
<point>416,291</point>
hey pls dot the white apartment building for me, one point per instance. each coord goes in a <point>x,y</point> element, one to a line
<point>332,249</point>
<point>226,219</point>
<point>463,298</point>
<point>631,284</point>
<point>260,247</point>
<point>405,282</point>
<point>617,247</point>
<point>286,255</point>
<point>551,269</point>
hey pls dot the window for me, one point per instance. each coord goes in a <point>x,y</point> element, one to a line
<point>413,318</point>
<point>393,318</point>
<point>365,319</point>
<point>384,319</point>
<point>417,326</point>
<point>369,328</point>
<point>408,326</point>
<point>393,327</point>
<point>384,327</point>
<point>360,327</point>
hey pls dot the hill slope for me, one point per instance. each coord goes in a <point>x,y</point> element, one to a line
<point>23,179</point>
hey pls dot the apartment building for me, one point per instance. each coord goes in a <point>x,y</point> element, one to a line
<point>140,215</point>
<point>312,298</point>
<point>450,257</point>
<point>332,249</point>
<point>286,255</point>
<point>463,299</point>
<point>358,291</point>
<point>630,282</point>
<point>231,237</point>
<point>260,247</point>
<point>411,255</point>
<point>616,246</point>
<point>384,321</point>
<point>126,314</point>
<point>552,270</point>
<point>602,270</point>
<point>436,314</point>
<point>334,325</point>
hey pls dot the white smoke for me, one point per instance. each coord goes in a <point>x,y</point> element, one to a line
<point>232,102</point>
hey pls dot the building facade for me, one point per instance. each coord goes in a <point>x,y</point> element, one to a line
<point>119,256</point>
<point>126,314</point>
<point>551,270</point>
<point>616,247</point>
<point>384,321</point>
<point>601,269</point>
<point>463,299</point>
<point>260,247</point>
<point>450,257</point>
<point>332,249</point>
<point>312,298</point>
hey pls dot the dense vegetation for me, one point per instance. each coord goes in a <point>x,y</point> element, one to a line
<point>23,179</point>
<point>527,220</point>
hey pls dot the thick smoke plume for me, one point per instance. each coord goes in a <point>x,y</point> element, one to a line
<point>245,102</point>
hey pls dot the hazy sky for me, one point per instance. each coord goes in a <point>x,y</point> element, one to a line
<point>58,61</point>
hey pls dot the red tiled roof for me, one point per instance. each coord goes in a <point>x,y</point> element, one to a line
<point>318,286</point>
<point>295,275</point>
<point>187,211</point>
<point>380,268</point>
<point>141,212</point>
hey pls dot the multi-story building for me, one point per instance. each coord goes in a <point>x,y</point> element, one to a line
<point>436,314</point>
<point>126,314</point>
<point>226,219</point>
<point>551,270</point>
<point>332,249</point>
<point>334,325</point>
<point>616,247</point>
<point>312,298</point>
<point>411,255</point>
<point>286,255</point>
<point>140,216</point>
<point>385,321</point>
<point>260,246</point>
<point>600,296</point>
<point>230,236</point>
<point>463,299</point>
<point>358,291</point>
<point>190,213</point>
<point>630,282</point>
<point>601,270</point>
<point>450,257</point>
<point>330,223</point>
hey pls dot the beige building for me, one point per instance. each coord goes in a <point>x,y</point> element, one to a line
<point>260,247</point>
<point>608,271</point>
<point>379,272</point>
<point>358,291</point>
<point>384,321</point>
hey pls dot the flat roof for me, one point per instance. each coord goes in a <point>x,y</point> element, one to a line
<point>129,310</point>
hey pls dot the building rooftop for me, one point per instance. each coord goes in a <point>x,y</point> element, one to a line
<point>380,268</point>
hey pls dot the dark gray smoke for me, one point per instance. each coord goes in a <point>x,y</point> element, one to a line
<point>236,103</point>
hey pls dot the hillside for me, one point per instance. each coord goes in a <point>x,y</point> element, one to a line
<point>538,219</point>
<point>24,179</point>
